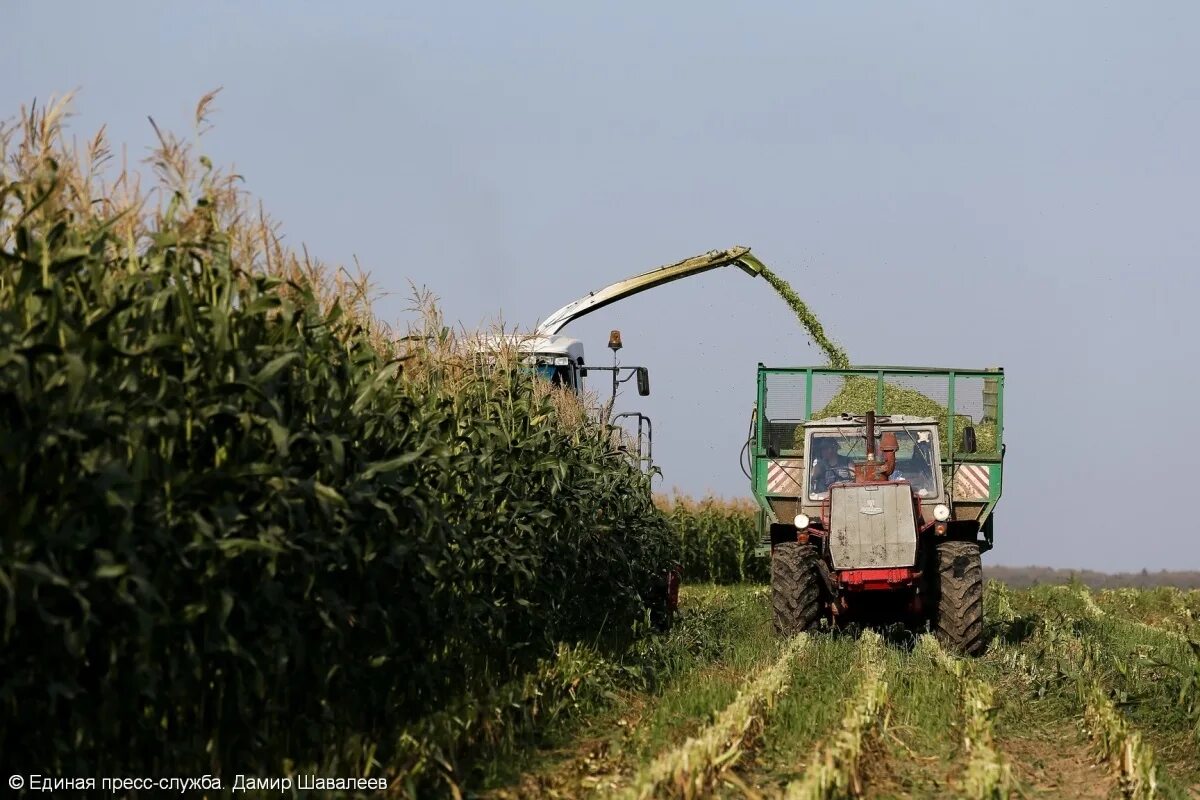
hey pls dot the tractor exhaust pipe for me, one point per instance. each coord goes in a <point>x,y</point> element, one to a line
<point>887,443</point>
<point>870,436</point>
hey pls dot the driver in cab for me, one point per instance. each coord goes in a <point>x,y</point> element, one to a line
<point>829,467</point>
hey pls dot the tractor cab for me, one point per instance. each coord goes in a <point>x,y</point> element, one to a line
<point>904,449</point>
<point>872,485</point>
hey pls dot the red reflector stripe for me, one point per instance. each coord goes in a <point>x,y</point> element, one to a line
<point>783,476</point>
<point>877,577</point>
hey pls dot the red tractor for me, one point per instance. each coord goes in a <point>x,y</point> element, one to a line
<point>881,519</point>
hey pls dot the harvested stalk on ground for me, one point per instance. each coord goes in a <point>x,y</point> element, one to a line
<point>1096,612</point>
<point>987,774</point>
<point>834,770</point>
<point>1117,741</point>
<point>689,770</point>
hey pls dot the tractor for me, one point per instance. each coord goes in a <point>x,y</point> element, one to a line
<point>878,515</point>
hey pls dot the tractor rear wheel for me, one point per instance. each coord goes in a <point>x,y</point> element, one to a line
<point>795,587</point>
<point>958,616</point>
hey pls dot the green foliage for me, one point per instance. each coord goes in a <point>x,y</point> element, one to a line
<point>717,540</point>
<point>1136,682</point>
<point>238,530</point>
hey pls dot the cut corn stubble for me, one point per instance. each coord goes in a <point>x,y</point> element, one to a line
<point>987,774</point>
<point>690,769</point>
<point>834,770</point>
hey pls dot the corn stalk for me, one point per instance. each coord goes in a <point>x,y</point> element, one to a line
<point>1000,606</point>
<point>243,522</point>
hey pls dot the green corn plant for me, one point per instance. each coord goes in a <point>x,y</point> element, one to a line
<point>247,525</point>
<point>718,540</point>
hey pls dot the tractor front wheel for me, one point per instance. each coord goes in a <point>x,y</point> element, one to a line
<point>795,587</point>
<point>958,615</point>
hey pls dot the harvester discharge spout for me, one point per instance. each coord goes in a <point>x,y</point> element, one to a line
<point>735,256</point>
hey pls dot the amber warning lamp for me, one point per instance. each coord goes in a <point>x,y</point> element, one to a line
<point>614,341</point>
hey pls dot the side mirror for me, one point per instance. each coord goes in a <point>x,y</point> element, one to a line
<point>643,381</point>
<point>968,445</point>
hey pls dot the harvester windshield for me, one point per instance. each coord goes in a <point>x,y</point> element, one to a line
<point>557,375</point>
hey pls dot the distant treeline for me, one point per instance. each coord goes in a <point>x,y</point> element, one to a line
<point>1022,577</point>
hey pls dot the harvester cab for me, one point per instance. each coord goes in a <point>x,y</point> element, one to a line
<point>879,514</point>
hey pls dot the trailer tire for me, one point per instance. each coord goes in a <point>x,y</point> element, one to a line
<point>958,614</point>
<point>795,588</point>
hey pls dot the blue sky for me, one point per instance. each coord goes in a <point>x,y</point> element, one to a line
<point>946,184</point>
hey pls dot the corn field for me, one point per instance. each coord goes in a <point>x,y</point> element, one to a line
<point>245,524</point>
<point>1075,697</point>
<point>718,539</point>
<point>250,529</point>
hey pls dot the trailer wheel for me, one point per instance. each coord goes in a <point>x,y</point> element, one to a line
<point>795,587</point>
<point>958,615</point>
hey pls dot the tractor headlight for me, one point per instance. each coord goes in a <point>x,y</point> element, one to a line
<point>801,521</point>
<point>941,512</point>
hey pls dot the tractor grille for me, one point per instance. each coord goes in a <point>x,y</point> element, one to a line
<point>872,526</point>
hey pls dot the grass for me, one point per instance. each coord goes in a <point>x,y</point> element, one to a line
<point>808,713</point>
<point>720,639</point>
<point>987,775</point>
<point>689,769</point>
<point>1077,696</point>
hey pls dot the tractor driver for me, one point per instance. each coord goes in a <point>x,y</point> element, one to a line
<point>829,466</point>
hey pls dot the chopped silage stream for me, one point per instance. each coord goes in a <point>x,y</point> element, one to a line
<point>858,394</point>
<point>833,352</point>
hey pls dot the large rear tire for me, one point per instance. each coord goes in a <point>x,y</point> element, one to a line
<point>795,588</point>
<point>958,616</point>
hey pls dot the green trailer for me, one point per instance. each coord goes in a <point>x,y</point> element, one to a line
<point>874,484</point>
